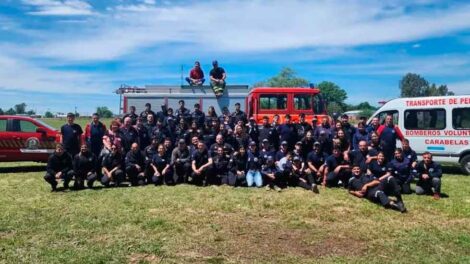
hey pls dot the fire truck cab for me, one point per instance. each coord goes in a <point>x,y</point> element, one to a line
<point>269,101</point>
<point>23,138</point>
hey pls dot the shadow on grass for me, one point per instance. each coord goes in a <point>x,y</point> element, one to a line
<point>19,169</point>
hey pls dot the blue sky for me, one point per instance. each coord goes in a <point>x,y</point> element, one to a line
<point>58,54</point>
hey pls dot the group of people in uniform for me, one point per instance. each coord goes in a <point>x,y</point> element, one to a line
<point>183,146</point>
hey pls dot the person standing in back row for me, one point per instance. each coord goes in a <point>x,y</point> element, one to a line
<point>71,136</point>
<point>388,134</point>
<point>218,77</point>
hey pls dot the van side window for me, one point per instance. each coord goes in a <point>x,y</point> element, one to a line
<point>302,102</point>
<point>3,125</point>
<point>461,118</point>
<point>384,114</point>
<point>273,101</point>
<point>425,119</point>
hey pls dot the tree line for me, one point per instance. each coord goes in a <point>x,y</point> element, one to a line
<point>411,85</point>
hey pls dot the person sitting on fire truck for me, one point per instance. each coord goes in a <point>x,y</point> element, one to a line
<point>196,75</point>
<point>218,76</point>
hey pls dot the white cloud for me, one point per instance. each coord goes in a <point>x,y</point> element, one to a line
<point>149,2</point>
<point>248,26</point>
<point>417,45</point>
<point>21,75</point>
<point>59,7</point>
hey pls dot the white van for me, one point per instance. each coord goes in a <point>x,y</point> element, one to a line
<point>440,125</point>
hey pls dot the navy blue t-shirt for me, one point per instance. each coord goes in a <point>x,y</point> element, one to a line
<point>71,137</point>
<point>378,170</point>
<point>317,159</point>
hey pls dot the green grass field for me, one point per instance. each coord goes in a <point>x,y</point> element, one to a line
<point>224,225</point>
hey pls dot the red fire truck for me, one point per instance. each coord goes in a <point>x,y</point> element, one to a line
<point>257,102</point>
<point>269,101</point>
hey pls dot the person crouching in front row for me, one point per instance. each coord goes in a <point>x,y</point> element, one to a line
<point>85,165</point>
<point>59,167</point>
<point>113,175</point>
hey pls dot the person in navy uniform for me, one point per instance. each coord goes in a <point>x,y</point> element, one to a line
<point>135,165</point>
<point>201,166</point>
<point>198,116</point>
<point>182,113</point>
<point>302,127</point>
<point>94,132</point>
<point>112,164</point>
<point>410,154</point>
<point>336,169</point>
<point>316,162</point>
<point>266,150</point>
<point>367,186</point>
<point>379,167</point>
<point>349,130</point>
<point>287,132</point>
<point>388,134</point>
<point>132,115</point>
<point>271,174</point>
<point>148,111</point>
<point>129,135</point>
<point>238,114</point>
<point>254,162</point>
<point>221,166</point>
<point>161,168</point>
<point>71,136</point>
<point>59,167</point>
<point>301,176</point>
<point>399,167</point>
<point>142,134</point>
<point>85,165</point>
<point>362,156</point>
<point>359,135</point>
<point>217,76</point>
<point>181,162</point>
<point>269,133</point>
<point>429,177</point>
<point>238,166</point>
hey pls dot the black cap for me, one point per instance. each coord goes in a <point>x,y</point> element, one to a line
<point>316,143</point>
<point>252,143</point>
<point>284,142</point>
<point>181,141</point>
<point>299,143</point>
<point>270,158</point>
<point>265,140</point>
<point>344,116</point>
<point>296,158</point>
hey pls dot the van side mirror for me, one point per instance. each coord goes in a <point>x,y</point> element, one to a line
<point>41,130</point>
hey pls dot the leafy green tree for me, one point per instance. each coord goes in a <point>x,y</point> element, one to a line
<point>48,114</point>
<point>103,111</point>
<point>334,95</point>
<point>413,85</point>
<point>10,111</point>
<point>285,78</point>
<point>20,108</point>
<point>30,112</point>
<point>1,111</point>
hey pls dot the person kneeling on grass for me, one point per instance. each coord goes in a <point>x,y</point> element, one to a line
<point>135,165</point>
<point>429,174</point>
<point>367,186</point>
<point>59,166</point>
<point>85,164</point>
<point>161,168</point>
<point>113,175</point>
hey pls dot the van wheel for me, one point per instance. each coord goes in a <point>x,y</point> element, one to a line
<point>465,164</point>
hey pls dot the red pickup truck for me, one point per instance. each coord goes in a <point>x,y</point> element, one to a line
<point>24,138</point>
